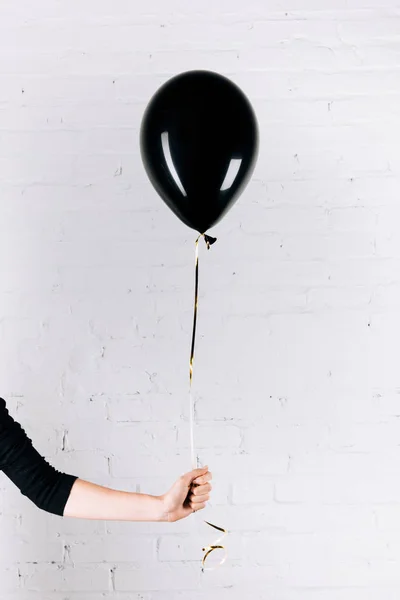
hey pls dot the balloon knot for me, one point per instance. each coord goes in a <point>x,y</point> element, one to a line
<point>209,240</point>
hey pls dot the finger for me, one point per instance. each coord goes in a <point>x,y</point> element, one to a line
<point>201,489</point>
<point>194,500</point>
<point>202,479</point>
<point>197,492</point>
<point>197,507</point>
<point>195,474</point>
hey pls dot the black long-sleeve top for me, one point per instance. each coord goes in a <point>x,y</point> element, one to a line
<point>28,470</point>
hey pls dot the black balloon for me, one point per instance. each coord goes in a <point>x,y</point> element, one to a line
<point>199,144</point>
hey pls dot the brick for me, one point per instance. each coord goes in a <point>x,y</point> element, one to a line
<point>83,578</point>
<point>168,576</point>
<point>113,549</point>
<point>248,491</point>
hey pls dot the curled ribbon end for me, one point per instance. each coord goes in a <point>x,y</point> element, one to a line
<point>217,545</point>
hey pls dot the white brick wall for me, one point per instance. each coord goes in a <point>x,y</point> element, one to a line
<point>297,380</point>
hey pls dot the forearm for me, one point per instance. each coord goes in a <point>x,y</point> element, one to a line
<point>90,501</point>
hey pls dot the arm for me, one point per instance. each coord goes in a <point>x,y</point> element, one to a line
<point>66,495</point>
<point>28,470</point>
<point>188,494</point>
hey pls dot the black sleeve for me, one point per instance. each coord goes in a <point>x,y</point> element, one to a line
<point>28,470</point>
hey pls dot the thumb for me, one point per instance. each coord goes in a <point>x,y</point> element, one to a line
<point>189,477</point>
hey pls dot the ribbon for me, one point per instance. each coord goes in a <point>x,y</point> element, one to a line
<point>217,544</point>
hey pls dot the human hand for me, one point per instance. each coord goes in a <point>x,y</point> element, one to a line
<point>189,494</point>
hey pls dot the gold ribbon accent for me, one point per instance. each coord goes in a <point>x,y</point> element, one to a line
<point>217,545</point>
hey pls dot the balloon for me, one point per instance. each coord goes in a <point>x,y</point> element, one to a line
<point>199,144</point>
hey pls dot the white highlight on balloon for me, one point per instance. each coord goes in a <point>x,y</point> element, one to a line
<point>231,173</point>
<point>169,161</point>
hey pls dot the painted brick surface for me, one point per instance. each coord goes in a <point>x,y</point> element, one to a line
<point>297,376</point>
